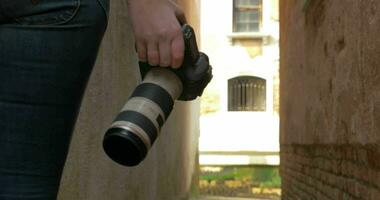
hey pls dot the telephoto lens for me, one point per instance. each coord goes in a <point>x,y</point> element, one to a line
<point>138,124</point>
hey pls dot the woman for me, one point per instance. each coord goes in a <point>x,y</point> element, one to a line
<point>47,52</point>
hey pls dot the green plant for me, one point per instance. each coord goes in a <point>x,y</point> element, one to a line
<point>267,177</point>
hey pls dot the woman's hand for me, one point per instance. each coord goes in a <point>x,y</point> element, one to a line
<point>157,29</point>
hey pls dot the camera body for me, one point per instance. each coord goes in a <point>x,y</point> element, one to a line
<point>138,125</point>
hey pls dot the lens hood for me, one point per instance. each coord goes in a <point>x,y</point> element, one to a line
<point>124,147</point>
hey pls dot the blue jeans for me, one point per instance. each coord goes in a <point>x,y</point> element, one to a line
<point>47,52</point>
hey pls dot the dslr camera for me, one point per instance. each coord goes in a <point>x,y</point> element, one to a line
<point>138,124</point>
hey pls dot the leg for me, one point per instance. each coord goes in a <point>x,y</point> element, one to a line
<point>45,62</point>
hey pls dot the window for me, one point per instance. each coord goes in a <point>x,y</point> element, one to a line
<point>246,93</point>
<point>247,15</point>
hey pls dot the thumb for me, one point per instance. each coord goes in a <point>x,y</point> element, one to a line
<point>179,13</point>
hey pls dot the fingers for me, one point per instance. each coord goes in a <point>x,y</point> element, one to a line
<point>161,43</point>
<point>165,53</point>
<point>158,34</point>
<point>157,54</point>
<point>141,51</point>
<point>178,50</point>
<point>172,49</point>
<point>153,54</point>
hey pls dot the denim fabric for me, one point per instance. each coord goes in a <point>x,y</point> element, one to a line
<point>47,52</point>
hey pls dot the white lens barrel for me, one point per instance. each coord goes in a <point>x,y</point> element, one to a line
<point>150,105</point>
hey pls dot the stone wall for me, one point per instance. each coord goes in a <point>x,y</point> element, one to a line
<point>167,173</point>
<point>330,99</point>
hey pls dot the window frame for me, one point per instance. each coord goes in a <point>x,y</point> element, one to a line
<point>235,9</point>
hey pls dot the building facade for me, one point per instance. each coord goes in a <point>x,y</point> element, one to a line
<point>239,121</point>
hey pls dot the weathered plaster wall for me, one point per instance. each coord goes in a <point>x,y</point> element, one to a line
<point>168,170</point>
<point>330,99</point>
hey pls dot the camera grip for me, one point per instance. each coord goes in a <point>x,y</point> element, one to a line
<point>195,72</point>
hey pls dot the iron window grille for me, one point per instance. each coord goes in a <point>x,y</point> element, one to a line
<point>246,93</point>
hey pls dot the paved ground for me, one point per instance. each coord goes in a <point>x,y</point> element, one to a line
<point>224,198</point>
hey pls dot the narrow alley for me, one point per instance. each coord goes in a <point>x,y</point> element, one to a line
<point>298,81</point>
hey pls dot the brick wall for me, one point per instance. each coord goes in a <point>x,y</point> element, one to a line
<point>330,99</point>
<point>331,172</point>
